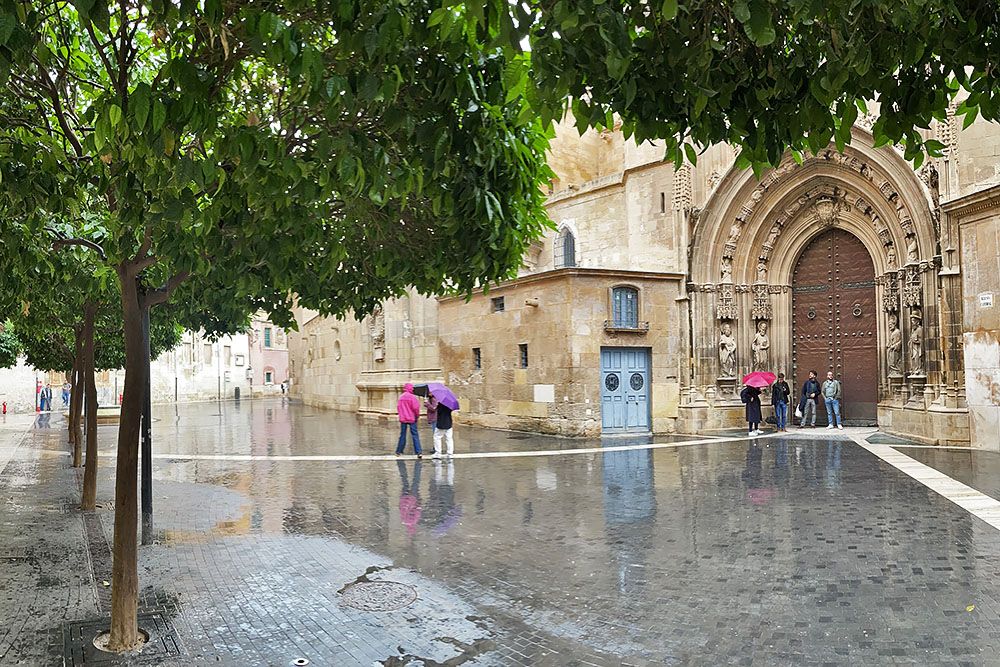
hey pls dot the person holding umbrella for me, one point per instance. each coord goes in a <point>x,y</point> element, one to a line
<point>446,404</point>
<point>753,382</point>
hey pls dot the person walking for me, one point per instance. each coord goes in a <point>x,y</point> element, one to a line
<point>408,409</point>
<point>431,403</point>
<point>832,392</point>
<point>751,397</point>
<point>443,431</point>
<point>65,394</point>
<point>780,393</point>
<point>47,396</point>
<point>810,392</point>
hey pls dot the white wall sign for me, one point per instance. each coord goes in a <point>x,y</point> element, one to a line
<point>986,300</point>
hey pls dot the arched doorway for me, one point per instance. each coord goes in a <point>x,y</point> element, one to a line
<point>834,321</point>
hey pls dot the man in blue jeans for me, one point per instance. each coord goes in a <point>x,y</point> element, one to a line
<point>779,399</point>
<point>832,394</point>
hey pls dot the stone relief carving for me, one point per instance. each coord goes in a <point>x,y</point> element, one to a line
<point>727,351</point>
<point>890,257</point>
<point>760,347</point>
<point>912,252</point>
<point>761,309</point>
<point>827,209</point>
<point>890,298</point>
<point>376,328</point>
<point>916,346</point>
<point>894,349</point>
<point>762,272</point>
<point>727,270</point>
<point>727,302</point>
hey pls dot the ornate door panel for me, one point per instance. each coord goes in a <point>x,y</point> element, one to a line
<point>625,389</point>
<point>834,325</point>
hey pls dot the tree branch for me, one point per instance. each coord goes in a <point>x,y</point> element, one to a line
<point>59,243</point>
<point>161,294</point>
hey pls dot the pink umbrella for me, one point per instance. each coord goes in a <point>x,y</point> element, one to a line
<point>759,379</point>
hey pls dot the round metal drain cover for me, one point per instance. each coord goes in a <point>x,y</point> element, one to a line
<point>379,595</point>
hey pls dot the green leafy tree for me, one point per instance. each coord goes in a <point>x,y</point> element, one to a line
<point>10,347</point>
<point>244,151</point>
<point>765,75</point>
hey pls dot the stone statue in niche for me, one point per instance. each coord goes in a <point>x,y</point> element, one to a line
<point>890,258</point>
<point>734,232</point>
<point>761,272</point>
<point>727,270</point>
<point>894,349</point>
<point>916,347</point>
<point>760,347</point>
<point>727,351</point>
<point>772,237</point>
<point>912,252</point>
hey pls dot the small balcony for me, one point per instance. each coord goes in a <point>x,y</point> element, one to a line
<point>626,327</point>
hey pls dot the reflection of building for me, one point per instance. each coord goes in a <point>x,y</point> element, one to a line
<point>659,288</point>
<point>268,355</point>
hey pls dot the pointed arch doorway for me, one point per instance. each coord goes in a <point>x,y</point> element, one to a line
<point>835,324</point>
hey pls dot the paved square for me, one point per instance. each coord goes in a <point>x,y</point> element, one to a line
<point>772,551</point>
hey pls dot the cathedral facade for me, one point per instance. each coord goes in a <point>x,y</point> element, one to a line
<point>658,289</point>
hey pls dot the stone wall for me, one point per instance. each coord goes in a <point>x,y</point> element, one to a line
<point>560,316</point>
<point>978,218</point>
<point>362,365</point>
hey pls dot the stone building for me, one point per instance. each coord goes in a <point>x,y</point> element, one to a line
<point>659,288</point>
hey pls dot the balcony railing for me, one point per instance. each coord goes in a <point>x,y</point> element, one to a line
<point>624,327</point>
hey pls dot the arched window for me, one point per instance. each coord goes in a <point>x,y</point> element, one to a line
<point>625,307</point>
<point>565,249</point>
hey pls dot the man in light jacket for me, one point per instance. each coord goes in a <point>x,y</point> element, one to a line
<point>831,395</point>
<point>408,409</point>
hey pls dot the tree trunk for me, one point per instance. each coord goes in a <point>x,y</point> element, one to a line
<point>124,574</point>
<point>89,501</point>
<point>76,401</point>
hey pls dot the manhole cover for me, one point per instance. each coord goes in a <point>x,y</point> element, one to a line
<point>379,595</point>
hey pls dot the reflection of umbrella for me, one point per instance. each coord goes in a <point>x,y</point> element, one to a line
<point>759,379</point>
<point>440,392</point>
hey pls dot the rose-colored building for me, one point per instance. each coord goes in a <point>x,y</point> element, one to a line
<point>268,356</point>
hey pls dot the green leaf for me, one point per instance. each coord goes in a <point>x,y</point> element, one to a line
<point>759,27</point>
<point>115,115</point>
<point>140,107</point>
<point>692,156</point>
<point>669,9</point>
<point>159,115</point>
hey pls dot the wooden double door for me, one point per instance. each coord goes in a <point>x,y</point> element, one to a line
<point>835,322</point>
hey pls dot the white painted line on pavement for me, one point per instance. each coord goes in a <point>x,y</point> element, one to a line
<point>466,455</point>
<point>974,502</point>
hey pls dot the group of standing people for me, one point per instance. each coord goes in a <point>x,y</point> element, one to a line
<point>830,392</point>
<point>439,417</point>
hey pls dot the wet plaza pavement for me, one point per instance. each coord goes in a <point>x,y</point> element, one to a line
<point>767,551</point>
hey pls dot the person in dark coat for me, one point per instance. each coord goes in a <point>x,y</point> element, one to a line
<point>751,397</point>
<point>779,399</point>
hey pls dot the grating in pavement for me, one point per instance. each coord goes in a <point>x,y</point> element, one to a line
<point>379,595</point>
<point>79,649</point>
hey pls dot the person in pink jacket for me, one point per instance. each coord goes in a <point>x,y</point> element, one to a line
<point>408,408</point>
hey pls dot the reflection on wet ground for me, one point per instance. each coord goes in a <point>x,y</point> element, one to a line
<point>777,551</point>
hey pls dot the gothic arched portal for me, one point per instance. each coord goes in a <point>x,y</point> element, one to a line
<point>834,321</point>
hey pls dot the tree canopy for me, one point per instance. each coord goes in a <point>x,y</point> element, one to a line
<point>765,75</point>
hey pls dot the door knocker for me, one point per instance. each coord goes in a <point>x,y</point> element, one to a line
<point>857,310</point>
<point>811,314</point>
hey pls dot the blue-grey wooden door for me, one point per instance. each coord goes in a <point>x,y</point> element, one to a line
<point>624,389</point>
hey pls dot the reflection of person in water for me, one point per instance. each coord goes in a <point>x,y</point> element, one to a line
<point>444,514</point>
<point>409,497</point>
<point>832,465</point>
